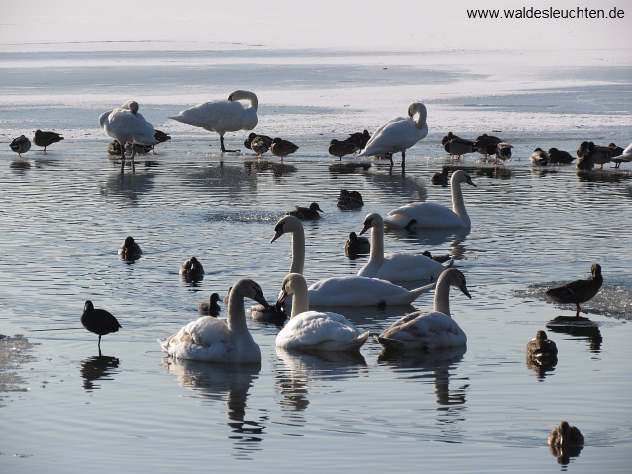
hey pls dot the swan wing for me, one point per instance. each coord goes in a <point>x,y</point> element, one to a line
<point>206,338</point>
<point>426,331</point>
<point>219,116</point>
<point>360,291</point>
<point>426,214</point>
<point>122,123</point>
<point>314,330</point>
<point>395,136</point>
<point>407,267</point>
<point>626,155</point>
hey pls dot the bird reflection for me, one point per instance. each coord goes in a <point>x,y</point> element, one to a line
<point>20,166</point>
<point>398,185</point>
<point>599,176</point>
<point>495,172</point>
<point>260,166</point>
<point>97,368</point>
<point>231,179</point>
<point>216,381</point>
<point>580,327</point>
<point>565,453</point>
<point>128,187</point>
<point>541,367</point>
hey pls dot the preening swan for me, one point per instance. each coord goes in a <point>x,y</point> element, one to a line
<point>219,340</point>
<point>429,331</point>
<point>223,115</point>
<point>395,266</point>
<point>434,216</point>
<point>315,330</point>
<point>399,134</point>
<point>126,125</point>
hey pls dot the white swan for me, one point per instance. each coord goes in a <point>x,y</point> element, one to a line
<point>223,116</point>
<point>399,134</point>
<point>626,156</point>
<point>434,216</point>
<point>219,340</point>
<point>126,125</point>
<point>343,291</point>
<point>429,331</point>
<point>395,266</point>
<point>315,330</point>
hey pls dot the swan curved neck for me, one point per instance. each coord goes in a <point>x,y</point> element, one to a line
<point>458,206</point>
<point>300,302</point>
<point>298,251</point>
<point>247,95</point>
<point>236,313</point>
<point>442,296</point>
<point>420,109</point>
<point>376,255</point>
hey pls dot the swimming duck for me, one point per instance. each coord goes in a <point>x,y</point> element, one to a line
<point>355,245</point>
<point>20,145</point>
<point>129,249</point>
<point>541,348</point>
<point>440,179</point>
<point>98,321</point>
<point>565,435</point>
<point>503,152</point>
<point>578,291</point>
<point>341,148</point>
<point>46,139</point>
<point>560,156</point>
<point>269,313</point>
<point>307,213</point>
<point>539,157</point>
<point>282,148</point>
<point>210,307</point>
<point>192,270</point>
<point>349,200</point>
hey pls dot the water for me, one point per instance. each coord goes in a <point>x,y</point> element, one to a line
<point>64,215</point>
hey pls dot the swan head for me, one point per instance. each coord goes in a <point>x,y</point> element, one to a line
<point>291,283</point>
<point>418,108</point>
<point>286,224</point>
<point>244,95</point>
<point>372,220</point>
<point>461,176</point>
<point>250,289</point>
<point>131,105</point>
<point>457,279</point>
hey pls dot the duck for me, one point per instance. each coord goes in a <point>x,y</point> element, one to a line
<point>486,144</point>
<point>440,179</point>
<point>395,266</point>
<point>560,157</point>
<point>399,134</point>
<point>46,139</point>
<point>358,139</point>
<point>161,137</point>
<point>129,249</point>
<point>437,258</point>
<point>459,147</point>
<point>126,125</point>
<point>282,148</point>
<point>192,270</point>
<point>252,136</point>
<point>341,148</point>
<point>219,340</point>
<point>539,157</point>
<point>20,145</point>
<point>307,213</point>
<point>343,291</point>
<point>541,348</point>
<point>210,307</point>
<point>315,330</point>
<point>98,321</point>
<point>596,154</point>
<point>624,156</point>
<point>260,144</point>
<point>427,332</point>
<point>447,138</point>
<point>114,148</point>
<point>565,436</point>
<point>578,291</point>
<point>355,245</point>
<point>349,200</point>
<point>434,216</point>
<point>223,116</point>
<point>503,152</point>
<point>269,313</point>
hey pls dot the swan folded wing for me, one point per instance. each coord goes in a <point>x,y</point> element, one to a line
<point>428,331</point>
<point>355,291</point>
<point>199,340</point>
<point>404,267</point>
<point>382,139</point>
<point>426,214</point>
<point>122,122</point>
<point>317,330</point>
<point>220,116</point>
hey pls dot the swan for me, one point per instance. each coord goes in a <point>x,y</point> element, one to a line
<point>625,156</point>
<point>126,125</point>
<point>429,331</point>
<point>395,266</point>
<point>315,330</point>
<point>223,116</point>
<point>343,291</point>
<point>399,134</point>
<point>219,340</point>
<point>434,216</point>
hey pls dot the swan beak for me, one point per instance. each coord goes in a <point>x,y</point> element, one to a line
<point>365,228</point>
<point>260,299</point>
<point>282,296</point>
<point>465,292</point>
<point>469,181</point>
<point>276,236</point>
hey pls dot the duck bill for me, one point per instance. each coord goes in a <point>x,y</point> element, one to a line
<point>276,236</point>
<point>364,229</point>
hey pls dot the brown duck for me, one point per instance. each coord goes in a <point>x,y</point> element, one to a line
<point>46,138</point>
<point>192,270</point>
<point>578,291</point>
<point>307,213</point>
<point>282,148</point>
<point>341,148</point>
<point>541,348</point>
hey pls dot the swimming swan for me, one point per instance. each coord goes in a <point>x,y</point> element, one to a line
<point>315,330</point>
<point>429,331</point>
<point>399,134</point>
<point>395,266</point>
<point>434,216</point>
<point>219,340</point>
<point>223,116</point>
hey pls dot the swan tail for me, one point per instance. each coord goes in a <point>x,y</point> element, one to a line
<point>164,344</point>
<point>414,294</point>
<point>390,345</point>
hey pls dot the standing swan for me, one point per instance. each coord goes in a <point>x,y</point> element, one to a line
<point>223,116</point>
<point>395,266</point>
<point>315,330</point>
<point>399,134</point>
<point>429,331</point>
<point>434,216</point>
<point>219,340</point>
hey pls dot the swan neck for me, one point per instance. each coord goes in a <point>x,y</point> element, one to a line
<point>298,251</point>
<point>442,296</point>
<point>236,313</point>
<point>377,244</point>
<point>249,96</point>
<point>300,302</point>
<point>458,206</point>
<point>419,109</point>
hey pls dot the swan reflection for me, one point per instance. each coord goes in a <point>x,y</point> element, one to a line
<point>222,178</point>
<point>98,368</point>
<point>127,187</point>
<point>220,382</point>
<point>582,328</point>
<point>398,185</point>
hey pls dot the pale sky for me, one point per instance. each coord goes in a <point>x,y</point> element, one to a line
<point>386,24</point>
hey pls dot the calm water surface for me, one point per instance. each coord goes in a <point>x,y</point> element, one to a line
<point>64,215</point>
